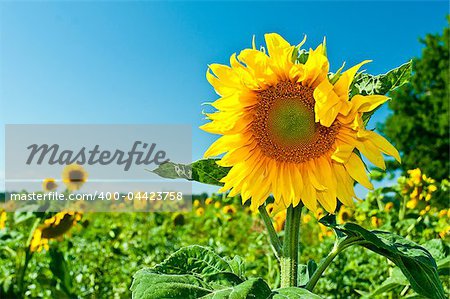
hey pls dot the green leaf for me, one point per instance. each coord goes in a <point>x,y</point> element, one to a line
<point>366,84</point>
<point>293,293</point>
<point>415,262</point>
<point>252,288</point>
<point>196,260</point>
<point>60,269</point>
<point>305,272</point>
<point>204,171</point>
<point>191,270</point>
<point>149,285</point>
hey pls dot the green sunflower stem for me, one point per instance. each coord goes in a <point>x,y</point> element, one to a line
<point>273,236</point>
<point>290,251</point>
<point>338,247</point>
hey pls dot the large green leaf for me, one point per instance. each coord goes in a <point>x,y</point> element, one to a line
<point>293,293</point>
<point>204,171</point>
<point>190,272</point>
<point>415,262</point>
<point>150,285</point>
<point>202,262</point>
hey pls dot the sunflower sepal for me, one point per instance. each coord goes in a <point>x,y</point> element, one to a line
<point>414,261</point>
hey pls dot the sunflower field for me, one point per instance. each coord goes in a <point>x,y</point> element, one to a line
<point>82,259</point>
<point>293,145</point>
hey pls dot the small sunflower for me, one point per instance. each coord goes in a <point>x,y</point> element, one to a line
<point>442,213</point>
<point>279,221</point>
<point>208,201</point>
<point>49,185</point>
<point>375,221</point>
<point>200,211</point>
<point>415,176</point>
<point>344,214</point>
<point>324,232</point>
<point>289,130</point>
<point>196,203</point>
<point>307,218</point>
<point>269,208</point>
<point>229,209</point>
<point>412,203</point>
<point>74,176</point>
<point>388,206</point>
<point>53,228</point>
<point>217,205</point>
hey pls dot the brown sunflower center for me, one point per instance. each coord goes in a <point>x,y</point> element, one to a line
<point>54,231</point>
<point>284,124</point>
<point>76,176</point>
<point>51,185</point>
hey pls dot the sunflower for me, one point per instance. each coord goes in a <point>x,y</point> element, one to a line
<point>229,209</point>
<point>375,221</point>
<point>74,176</point>
<point>388,206</point>
<point>344,214</point>
<point>200,211</point>
<point>208,201</point>
<point>53,228</point>
<point>289,130</point>
<point>307,218</point>
<point>49,185</point>
<point>442,213</point>
<point>279,221</point>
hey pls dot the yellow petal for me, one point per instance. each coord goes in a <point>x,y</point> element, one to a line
<point>345,191</point>
<point>309,198</point>
<point>226,143</point>
<point>355,167</point>
<point>367,103</point>
<point>384,145</point>
<point>368,149</point>
<point>342,85</point>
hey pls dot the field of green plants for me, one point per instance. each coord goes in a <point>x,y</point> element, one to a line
<point>98,256</point>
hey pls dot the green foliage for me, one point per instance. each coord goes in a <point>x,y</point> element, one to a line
<point>415,262</point>
<point>192,272</point>
<point>367,84</point>
<point>419,123</point>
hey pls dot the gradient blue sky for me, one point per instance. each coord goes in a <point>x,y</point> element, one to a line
<point>145,62</point>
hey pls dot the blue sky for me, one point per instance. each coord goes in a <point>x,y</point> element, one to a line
<point>145,62</point>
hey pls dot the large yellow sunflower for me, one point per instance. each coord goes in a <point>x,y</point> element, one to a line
<point>289,130</point>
